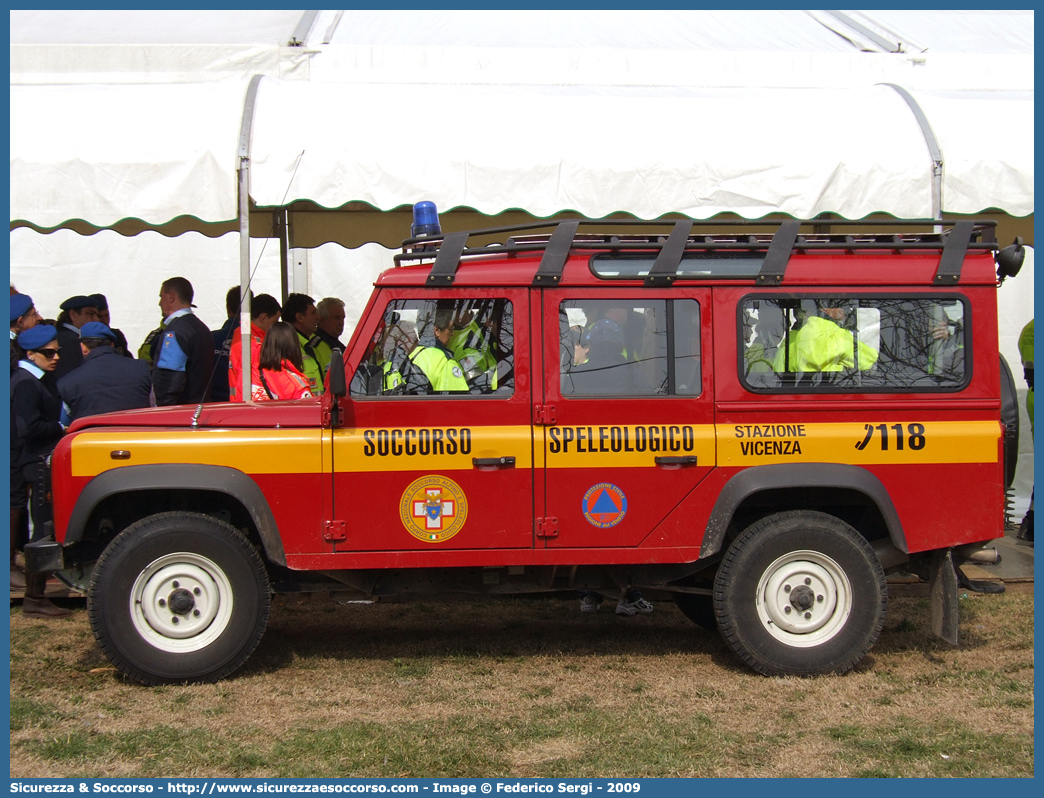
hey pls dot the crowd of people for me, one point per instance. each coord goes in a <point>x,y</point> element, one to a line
<point>79,365</point>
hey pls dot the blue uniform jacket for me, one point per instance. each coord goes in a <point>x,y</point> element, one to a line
<point>184,362</point>
<point>105,383</point>
<point>35,408</point>
<point>72,357</point>
<point>222,343</point>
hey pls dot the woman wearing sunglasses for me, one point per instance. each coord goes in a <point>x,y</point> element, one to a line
<point>35,430</point>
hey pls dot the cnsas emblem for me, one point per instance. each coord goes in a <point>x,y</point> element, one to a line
<point>604,505</point>
<point>433,509</point>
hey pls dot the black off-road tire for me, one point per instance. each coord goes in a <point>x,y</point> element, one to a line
<point>179,597</point>
<point>800,593</point>
<point>698,608</point>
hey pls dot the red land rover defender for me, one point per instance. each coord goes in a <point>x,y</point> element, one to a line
<point>759,425</point>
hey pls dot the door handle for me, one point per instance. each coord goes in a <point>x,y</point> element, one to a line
<point>686,460</point>
<point>493,462</point>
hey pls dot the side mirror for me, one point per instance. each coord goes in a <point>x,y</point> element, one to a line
<point>338,385</point>
<point>335,390</point>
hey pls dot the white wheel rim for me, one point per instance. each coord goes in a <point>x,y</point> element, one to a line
<point>804,599</point>
<point>181,602</point>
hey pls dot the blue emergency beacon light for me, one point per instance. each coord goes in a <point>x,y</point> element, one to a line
<point>425,220</point>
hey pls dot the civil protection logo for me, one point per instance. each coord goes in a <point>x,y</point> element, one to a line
<point>433,508</point>
<point>604,505</point>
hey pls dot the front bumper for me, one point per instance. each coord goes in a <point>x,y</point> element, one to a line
<point>43,555</point>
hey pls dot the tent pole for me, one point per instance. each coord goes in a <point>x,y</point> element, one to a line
<point>304,27</point>
<point>282,224</point>
<point>934,151</point>
<point>244,274</point>
<point>244,232</point>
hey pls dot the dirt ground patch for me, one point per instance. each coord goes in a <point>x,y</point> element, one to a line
<point>530,688</point>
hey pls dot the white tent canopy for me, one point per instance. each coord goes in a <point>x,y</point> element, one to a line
<point>696,151</point>
<point>106,153</point>
<point>697,112</point>
<point>140,151</point>
<point>910,31</point>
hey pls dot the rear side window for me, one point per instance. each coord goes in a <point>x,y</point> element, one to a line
<point>845,344</point>
<point>624,347</point>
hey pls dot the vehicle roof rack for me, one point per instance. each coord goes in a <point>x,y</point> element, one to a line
<point>952,237</point>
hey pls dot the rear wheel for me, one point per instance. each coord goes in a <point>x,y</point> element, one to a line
<point>179,597</point>
<point>800,593</point>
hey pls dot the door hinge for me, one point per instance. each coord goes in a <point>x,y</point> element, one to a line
<point>334,531</point>
<point>547,527</point>
<point>545,415</point>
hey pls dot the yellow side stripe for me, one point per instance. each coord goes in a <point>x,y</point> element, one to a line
<point>429,448</point>
<point>269,451</point>
<point>296,451</point>
<point>870,443</point>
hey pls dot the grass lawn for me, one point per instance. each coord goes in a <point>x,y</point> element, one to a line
<point>526,688</point>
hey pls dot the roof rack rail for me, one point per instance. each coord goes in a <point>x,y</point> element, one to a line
<point>952,237</point>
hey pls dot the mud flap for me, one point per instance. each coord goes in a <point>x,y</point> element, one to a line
<point>943,595</point>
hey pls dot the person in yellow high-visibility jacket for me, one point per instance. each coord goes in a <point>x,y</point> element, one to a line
<point>821,344</point>
<point>472,347</point>
<point>436,363</point>
<point>1026,354</point>
<point>391,379</point>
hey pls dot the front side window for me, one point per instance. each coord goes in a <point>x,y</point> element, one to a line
<point>624,347</point>
<point>443,347</point>
<point>838,344</point>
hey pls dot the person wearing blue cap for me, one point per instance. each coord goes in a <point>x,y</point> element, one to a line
<point>105,382</point>
<point>23,316</point>
<point>35,429</point>
<point>120,345</point>
<point>76,312</point>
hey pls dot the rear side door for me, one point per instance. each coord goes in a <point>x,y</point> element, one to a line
<point>627,414</point>
<point>421,467</point>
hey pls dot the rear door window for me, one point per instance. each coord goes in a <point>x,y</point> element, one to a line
<point>625,347</point>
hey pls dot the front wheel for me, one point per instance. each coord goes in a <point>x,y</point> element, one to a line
<point>179,597</point>
<point>800,593</point>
